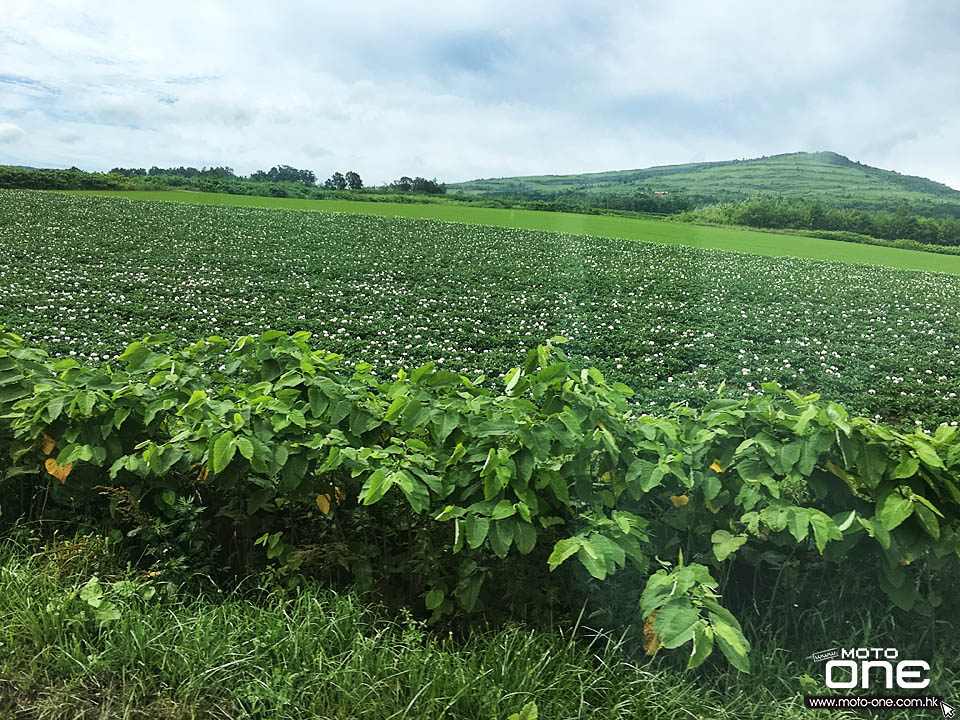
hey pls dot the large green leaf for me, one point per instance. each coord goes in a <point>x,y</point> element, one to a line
<point>224,448</point>
<point>525,537</point>
<point>702,644</point>
<point>537,439</point>
<point>86,401</point>
<point>675,622</point>
<point>725,543</point>
<point>476,528</point>
<point>377,486</point>
<point>434,599</point>
<point>592,561</point>
<point>928,520</point>
<point>893,510</point>
<point>245,447</point>
<point>753,470</point>
<point>824,529</point>
<point>732,643</point>
<point>501,536</point>
<point>926,453</point>
<point>562,550</point>
<point>798,522</point>
<point>642,476</point>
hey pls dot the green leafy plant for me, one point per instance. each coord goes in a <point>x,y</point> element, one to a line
<point>99,601</point>
<point>267,446</point>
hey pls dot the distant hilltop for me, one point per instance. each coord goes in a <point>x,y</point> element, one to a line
<point>829,177</point>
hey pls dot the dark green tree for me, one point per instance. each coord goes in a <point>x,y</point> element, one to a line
<point>336,182</point>
<point>285,173</point>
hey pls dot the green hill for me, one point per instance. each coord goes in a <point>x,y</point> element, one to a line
<point>831,178</point>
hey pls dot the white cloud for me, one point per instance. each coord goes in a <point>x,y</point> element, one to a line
<point>10,133</point>
<point>460,90</point>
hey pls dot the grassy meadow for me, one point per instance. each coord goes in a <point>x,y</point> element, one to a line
<point>658,231</point>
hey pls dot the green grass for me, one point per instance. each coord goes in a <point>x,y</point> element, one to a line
<point>274,654</point>
<point>827,176</point>
<point>659,231</point>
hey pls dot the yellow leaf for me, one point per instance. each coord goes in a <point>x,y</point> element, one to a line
<point>715,466</point>
<point>710,507</point>
<point>323,502</point>
<point>203,475</point>
<point>606,477</point>
<point>60,472</point>
<point>651,643</point>
<point>679,500</point>
<point>904,561</point>
<point>48,444</point>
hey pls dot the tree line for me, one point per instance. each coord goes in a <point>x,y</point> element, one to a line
<point>772,213</point>
<point>278,181</point>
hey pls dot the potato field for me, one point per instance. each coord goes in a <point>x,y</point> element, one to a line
<point>727,461</point>
<point>85,276</point>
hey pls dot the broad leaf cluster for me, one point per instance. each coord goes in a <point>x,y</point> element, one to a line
<point>557,464</point>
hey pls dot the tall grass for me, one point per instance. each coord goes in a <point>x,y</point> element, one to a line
<point>273,653</point>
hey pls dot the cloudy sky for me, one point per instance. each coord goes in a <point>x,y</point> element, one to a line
<point>459,90</point>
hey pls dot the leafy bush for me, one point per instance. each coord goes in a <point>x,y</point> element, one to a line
<point>272,451</point>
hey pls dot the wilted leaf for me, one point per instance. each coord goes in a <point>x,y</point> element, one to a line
<point>651,643</point>
<point>323,502</point>
<point>60,472</point>
<point>48,444</point>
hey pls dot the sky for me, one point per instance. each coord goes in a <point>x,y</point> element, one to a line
<point>461,90</point>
